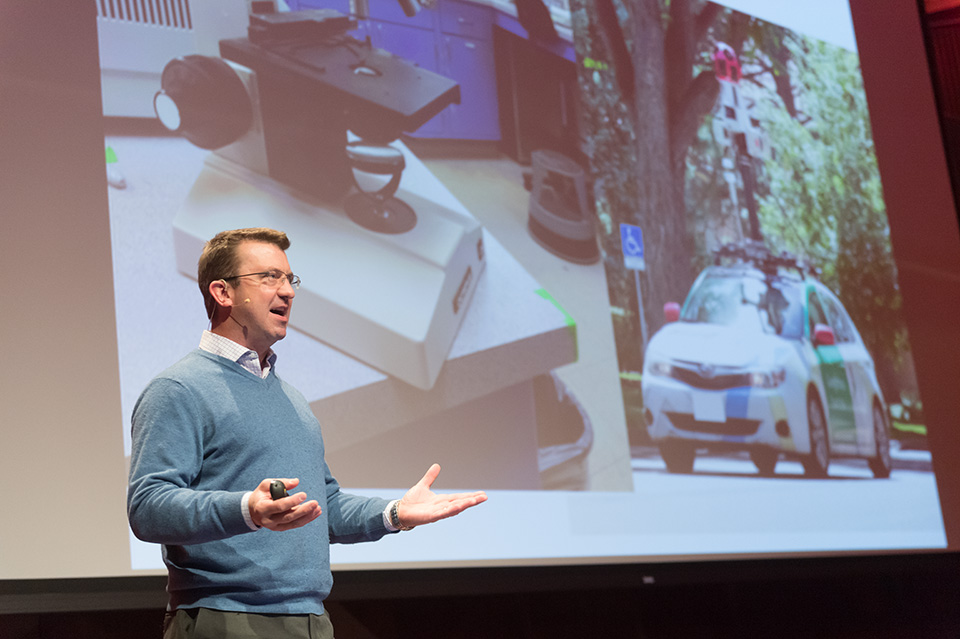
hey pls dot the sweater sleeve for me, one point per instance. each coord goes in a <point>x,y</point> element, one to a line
<point>352,518</point>
<point>163,505</point>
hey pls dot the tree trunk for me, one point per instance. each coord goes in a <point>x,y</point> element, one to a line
<point>660,208</point>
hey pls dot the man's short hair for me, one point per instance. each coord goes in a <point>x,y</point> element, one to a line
<point>219,257</point>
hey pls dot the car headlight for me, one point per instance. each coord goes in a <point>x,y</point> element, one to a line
<point>663,369</point>
<point>768,379</point>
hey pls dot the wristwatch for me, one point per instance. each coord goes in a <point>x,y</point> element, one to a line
<point>395,516</point>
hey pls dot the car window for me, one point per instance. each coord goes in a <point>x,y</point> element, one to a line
<point>780,306</point>
<point>750,303</point>
<point>817,315</point>
<point>839,320</point>
<point>851,327</point>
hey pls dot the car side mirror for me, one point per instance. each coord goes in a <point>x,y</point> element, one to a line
<point>671,312</point>
<point>823,335</point>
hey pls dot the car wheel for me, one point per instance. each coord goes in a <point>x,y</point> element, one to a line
<point>881,463</point>
<point>818,461</point>
<point>765,459</point>
<point>678,456</point>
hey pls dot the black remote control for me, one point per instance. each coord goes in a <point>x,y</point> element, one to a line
<point>277,489</point>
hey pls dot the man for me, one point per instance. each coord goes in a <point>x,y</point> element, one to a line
<point>210,434</point>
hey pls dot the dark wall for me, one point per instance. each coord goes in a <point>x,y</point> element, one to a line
<point>876,605</point>
<point>943,45</point>
<point>906,596</point>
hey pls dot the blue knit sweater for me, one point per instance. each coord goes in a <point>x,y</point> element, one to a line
<point>205,431</point>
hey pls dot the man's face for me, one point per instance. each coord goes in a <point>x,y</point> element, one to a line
<point>261,308</point>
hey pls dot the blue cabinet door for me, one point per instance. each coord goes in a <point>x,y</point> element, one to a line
<point>466,19</point>
<point>470,63</point>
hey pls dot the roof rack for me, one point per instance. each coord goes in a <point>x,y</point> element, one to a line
<point>756,253</point>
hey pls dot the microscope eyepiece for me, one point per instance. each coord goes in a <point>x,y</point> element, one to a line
<point>204,100</point>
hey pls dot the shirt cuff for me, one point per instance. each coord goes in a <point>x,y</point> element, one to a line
<point>386,517</point>
<point>245,511</point>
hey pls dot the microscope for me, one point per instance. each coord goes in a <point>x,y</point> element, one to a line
<point>303,121</point>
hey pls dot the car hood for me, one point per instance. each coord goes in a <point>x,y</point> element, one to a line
<point>724,346</point>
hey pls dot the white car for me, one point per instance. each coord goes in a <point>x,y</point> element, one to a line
<point>763,358</point>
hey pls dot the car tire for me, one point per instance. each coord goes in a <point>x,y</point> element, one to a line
<point>765,459</point>
<point>817,463</point>
<point>881,463</point>
<point>678,456</point>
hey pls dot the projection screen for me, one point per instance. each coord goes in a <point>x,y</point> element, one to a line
<point>657,256</point>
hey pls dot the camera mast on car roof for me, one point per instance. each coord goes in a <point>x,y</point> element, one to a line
<point>757,254</point>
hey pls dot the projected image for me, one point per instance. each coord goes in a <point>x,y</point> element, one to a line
<point>431,325</point>
<point>756,308</point>
<point>623,265</point>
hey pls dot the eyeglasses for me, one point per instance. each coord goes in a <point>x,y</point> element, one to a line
<point>271,279</point>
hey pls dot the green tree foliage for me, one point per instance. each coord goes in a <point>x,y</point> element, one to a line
<point>824,197</point>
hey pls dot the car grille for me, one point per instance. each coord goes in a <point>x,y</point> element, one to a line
<point>694,378</point>
<point>733,426</point>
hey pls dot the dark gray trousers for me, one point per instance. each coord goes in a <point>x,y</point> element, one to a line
<point>204,623</point>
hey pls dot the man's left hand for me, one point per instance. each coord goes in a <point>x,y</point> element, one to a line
<point>423,506</point>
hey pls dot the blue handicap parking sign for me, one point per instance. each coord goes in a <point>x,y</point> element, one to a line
<point>631,243</point>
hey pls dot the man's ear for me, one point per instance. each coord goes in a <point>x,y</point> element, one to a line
<point>221,293</point>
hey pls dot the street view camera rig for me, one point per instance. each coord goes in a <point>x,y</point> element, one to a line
<point>756,253</point>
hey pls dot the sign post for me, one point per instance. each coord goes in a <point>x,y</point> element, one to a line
<point>631,244</point>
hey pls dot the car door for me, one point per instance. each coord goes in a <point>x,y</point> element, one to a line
<point>859,364</point>
<point>833,370</point>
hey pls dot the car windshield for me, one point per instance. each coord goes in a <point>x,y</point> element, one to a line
<point>770,305</point>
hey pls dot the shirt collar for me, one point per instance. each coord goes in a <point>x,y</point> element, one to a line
<point>245,357</point>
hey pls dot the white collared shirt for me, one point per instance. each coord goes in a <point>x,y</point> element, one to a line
<point>246,357</point>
